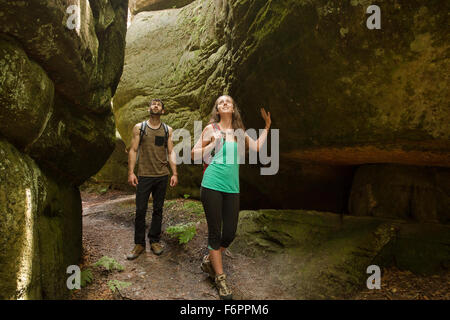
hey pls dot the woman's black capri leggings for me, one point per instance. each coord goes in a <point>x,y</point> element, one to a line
<point>222,214</point>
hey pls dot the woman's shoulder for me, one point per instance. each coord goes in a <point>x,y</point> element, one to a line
<point>211,126</point>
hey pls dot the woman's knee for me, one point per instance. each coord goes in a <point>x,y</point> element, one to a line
<point>227,240</point>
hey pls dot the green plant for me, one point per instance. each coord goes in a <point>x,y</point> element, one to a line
<point>186,196</point>
<point>183,232</point>
<point>118,285</point>
<point>194,207</point>
<point>109,264</point>
<point>86,277</point>
<point>170,203</point>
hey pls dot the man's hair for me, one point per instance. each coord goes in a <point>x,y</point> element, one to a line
<point>157,100</point>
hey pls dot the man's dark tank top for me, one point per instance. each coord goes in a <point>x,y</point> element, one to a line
<point>153,160</point>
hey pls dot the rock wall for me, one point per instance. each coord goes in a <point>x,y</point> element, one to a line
<point>56,85</point>
<point>406,192</point>
<point>341,95</point>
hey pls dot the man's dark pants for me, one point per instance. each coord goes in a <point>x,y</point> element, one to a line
<point>146,185</point>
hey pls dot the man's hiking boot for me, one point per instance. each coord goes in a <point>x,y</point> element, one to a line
<point>156,248</point>
<point>138,249</point>
<point>207,267</point>
<point>221,284</point>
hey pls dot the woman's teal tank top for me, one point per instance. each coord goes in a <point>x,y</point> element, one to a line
<point>222,174</point>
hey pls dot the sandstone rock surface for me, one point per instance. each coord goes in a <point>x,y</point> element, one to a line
<point>56,85</point>
<point>340,94</point>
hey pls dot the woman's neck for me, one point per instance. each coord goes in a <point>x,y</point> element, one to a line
<point>226,122</point>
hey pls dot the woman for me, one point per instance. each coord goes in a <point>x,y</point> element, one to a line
<point>220,184</point>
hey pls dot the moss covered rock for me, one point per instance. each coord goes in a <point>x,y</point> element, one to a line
<point>74,145</point>
<point>26,95</point>
<point>56,84</point>
<point>342,95</point>
<point>74,58</point>
<point>319,255</point>
<point>115,171</point>
<point>40,229</point>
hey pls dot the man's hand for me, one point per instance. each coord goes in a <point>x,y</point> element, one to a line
<point>173,181</point>
<point>132,180</point>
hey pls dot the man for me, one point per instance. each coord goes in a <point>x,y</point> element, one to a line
<point>155,155</point>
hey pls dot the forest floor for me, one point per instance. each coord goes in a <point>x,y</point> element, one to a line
<point>108,231</point>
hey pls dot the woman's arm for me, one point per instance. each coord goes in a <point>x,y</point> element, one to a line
<point>204,145</point>
<point>255,145</point>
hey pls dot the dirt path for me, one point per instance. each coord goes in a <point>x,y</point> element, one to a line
<point>108,230</point>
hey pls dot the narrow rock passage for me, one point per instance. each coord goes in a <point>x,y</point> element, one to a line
<point>108,230</point>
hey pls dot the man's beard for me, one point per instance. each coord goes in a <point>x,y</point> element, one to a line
<point>152,113</point>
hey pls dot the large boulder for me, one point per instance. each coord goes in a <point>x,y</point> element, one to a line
<point>56,85</point>
<point>73,58</point>
<point>114,173</point>
<point>40,229</point>
<point>26,92</point>
<point>321,255</point>
<point>341,95</point>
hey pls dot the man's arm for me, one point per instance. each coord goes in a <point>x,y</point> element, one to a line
<point>132,153</point>
<point>172,160</point>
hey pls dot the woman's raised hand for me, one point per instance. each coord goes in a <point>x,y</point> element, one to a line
<point>266,117</point>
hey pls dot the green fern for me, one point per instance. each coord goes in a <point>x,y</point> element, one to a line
<point>118,285</point>
<point>86,277</point>
<point>194,207</point>
<point>183,232</point>
<point>109,264</point>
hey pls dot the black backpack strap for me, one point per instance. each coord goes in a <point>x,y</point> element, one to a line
<point>166,132</point>
<point>142,131</point>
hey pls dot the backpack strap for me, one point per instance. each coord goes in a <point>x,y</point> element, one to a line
<point>215,126</point>
<point>213,153</point>
<point>166,132</point>
<point>142,131</point>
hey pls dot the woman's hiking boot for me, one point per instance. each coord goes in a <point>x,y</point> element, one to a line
<point>207,267</point>
<point>221,284</point>
<point>137,250</point>
<point>156,248</point>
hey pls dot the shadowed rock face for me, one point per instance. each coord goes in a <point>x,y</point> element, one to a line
<point>56,86</point>
<point>342,95</point>
<point>406,192</point>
